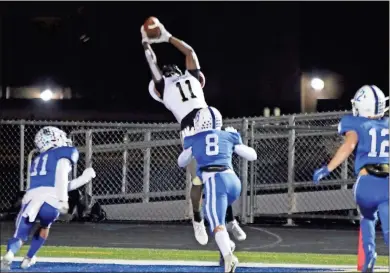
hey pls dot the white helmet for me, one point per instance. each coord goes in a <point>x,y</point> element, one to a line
<point>65,140</point>
<point>49,137</point>
<point>369,101</point>
<point>207,119</point>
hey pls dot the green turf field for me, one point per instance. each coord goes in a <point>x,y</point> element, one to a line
<point>188,255</point>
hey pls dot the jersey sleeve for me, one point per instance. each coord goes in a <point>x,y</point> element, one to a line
<point>70,153</point>
<point>188,141</point>
<point>236,138</point>
<point>347,123</point>
<point>152,91</point>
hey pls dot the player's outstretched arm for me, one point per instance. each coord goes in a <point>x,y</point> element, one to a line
<point>241,149</point>
<point>245,151</point>
<point>345,150</point>
<point>152,62</point>
<point>192,62</point>
<point>83,179</point>
<point>61,183</point>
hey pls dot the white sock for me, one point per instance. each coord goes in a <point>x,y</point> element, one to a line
<point>223,241</point>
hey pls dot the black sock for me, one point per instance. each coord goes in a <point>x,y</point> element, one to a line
<point>197,216</point>
<point>229,214</point>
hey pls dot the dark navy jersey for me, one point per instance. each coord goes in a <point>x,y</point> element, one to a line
<point>43,167</point>
<point>373,139</point>
<point>213,147</point>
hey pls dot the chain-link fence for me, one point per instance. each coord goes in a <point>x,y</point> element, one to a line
<point>138,177</point>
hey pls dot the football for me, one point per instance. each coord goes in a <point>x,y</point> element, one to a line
<point>151,27</point>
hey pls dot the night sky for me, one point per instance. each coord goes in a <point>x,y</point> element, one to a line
<point>252,53</point>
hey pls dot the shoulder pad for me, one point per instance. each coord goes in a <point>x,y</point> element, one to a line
<point>236,138</point>
<point>188,142</point>
<point>70,153</point>
<point>348,123</point>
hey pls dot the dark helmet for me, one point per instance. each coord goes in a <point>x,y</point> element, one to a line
<point>170,70</point>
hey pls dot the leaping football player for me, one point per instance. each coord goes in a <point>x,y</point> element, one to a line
<point>183,95</point>
<point>47,195</point>
<point>213,149</point>
<point>367,135</point>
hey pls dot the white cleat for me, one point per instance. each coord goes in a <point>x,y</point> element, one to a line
<point>200,232</point>
<point>28,262</point>
<point>236,230</point>
<point>231,263</point>
<point>6,261</point>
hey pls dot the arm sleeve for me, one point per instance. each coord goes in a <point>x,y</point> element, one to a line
<point>245,152</point>
<point>185,157</point>
<point>195,73</point>
<point>61,179</point>
<point>77,183</point>
<point>347,123</point>
<point>153,93</point>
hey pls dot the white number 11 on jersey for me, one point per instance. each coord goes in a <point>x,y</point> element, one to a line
<point>43,166</point>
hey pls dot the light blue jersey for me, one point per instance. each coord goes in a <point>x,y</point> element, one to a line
<point>373,135</point>
<point>43,167</point>
<point>213,148</point>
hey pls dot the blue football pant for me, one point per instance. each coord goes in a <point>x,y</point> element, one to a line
<point>221,190</point>
<point>372,198</point>
<point>46,216</point>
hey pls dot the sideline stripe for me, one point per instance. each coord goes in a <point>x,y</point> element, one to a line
<point>193,263</point>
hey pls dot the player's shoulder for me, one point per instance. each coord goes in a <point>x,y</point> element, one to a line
<point>228,133</point>
<point>347,119</point>
<point>70,153</point>
<point>235,137</point>
<point>385,121</point>
<point>188,141</point>
<point>350,123</point>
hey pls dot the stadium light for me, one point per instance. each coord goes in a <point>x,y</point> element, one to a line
<point>47,95</point>
<point>317,84</point>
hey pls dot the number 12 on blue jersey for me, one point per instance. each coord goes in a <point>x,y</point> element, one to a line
<point>383,143</point>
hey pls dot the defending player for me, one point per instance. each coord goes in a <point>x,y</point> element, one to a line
<point>367,134</point>
<point>183,95</point>
<point>47,195</point>
<point>213,149</point>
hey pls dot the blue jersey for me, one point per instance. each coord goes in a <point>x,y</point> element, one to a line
<point>373,139</point>
<point>43,167</point>
<point>213,147</point>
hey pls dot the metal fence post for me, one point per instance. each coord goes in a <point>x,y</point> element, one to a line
<point>244,174</point>
<point>74,167</point>
<point>344,173</point>
<point>291,170</point>
<point>124,166</point>
<point>88,164</point>
<point>252,176</point>
<point>146,175</point>
<point>21,167</point>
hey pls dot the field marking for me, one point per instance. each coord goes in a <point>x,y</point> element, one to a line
<point>346,268</point>
<point>275,243</point>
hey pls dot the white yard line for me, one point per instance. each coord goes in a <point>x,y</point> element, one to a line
<point>193,263</point>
